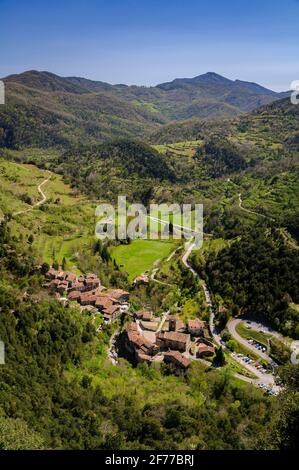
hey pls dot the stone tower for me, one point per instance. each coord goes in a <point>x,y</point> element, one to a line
<point>172,323</point>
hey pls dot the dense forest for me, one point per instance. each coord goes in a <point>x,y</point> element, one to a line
<point>220,157</point>
<point>47,110</point>
<point>255,275</point>
<point>57,388</point>
<point>43,406</point>
<point>118,167</point>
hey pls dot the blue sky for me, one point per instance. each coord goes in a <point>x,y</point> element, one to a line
<point>149,42</point>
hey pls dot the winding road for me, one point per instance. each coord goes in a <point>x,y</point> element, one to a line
<point>39,203</point>
<point>252,212</point>
<point>287,237</point>
<point>262,378</point>
<point>231,326</point>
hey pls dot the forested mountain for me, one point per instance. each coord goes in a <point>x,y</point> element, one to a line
<point>57,390</point>
<point>255,275</point>
<point>278,120</point>
<point>220,157</point>
<point>119,167</point>
<point>36,117</point>
<point>47,110</point>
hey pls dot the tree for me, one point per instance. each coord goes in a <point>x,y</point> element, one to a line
<point>170,228</point>
<point>105,254</point>
<point>86,381</point>
<point>55,264</point>
<point>284,428</point>
<point>45,268</point>
<point>15,435</point>
<point>219,359</point>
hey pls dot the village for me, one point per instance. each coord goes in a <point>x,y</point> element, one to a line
<point>152,339</point>
<point>88,293</point>
<point>147,338</point>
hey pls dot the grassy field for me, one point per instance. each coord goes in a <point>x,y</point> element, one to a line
<point>185,148</point>
<point>61,227</point>
<point>139,255</point>
<point>248,333</point>
<point>234,366</point>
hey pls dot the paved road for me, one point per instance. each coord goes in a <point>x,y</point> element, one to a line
<point>267,379</point>
<point>112,354</point>
<point>231,326</point>
<point>166,222</point>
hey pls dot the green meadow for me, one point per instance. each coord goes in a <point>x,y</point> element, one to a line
<point>186,148</point>
<point>62,227</point>
<point>140,255</point>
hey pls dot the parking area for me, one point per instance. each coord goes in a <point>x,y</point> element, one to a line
<point>258,346</point>
<point>268,389</point>
<point>249,361</point>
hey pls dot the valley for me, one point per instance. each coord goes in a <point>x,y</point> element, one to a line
<point>133,373</point>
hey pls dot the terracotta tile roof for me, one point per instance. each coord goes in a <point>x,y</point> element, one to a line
<point>204,348</point>
<point>144,315</point>
<point>103,301</point>
<point>91,281</point>
<point>174,336</point>
<point>178,358</point>
<point>71,277</point>
<point>116,294</point>
<point>73,295</point>
<point>132,327</point>
<point>61,274</point>
<point>78,285</point>
<point>91,276</point>
<point>196,324</point>
<point>142,356</point>
<point>88,297</point>
<point>99,290</point>
<point>52,273</point>
<point>110,309</point>
<point>138,339</point>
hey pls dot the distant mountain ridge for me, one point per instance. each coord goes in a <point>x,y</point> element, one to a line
<point>64,110</point>
<point>48,81</point>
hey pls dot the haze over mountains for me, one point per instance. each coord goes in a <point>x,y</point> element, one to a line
<point>65,110</point>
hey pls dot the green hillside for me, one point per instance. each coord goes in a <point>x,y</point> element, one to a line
<point>47,110</point>
<point>59,390</point>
